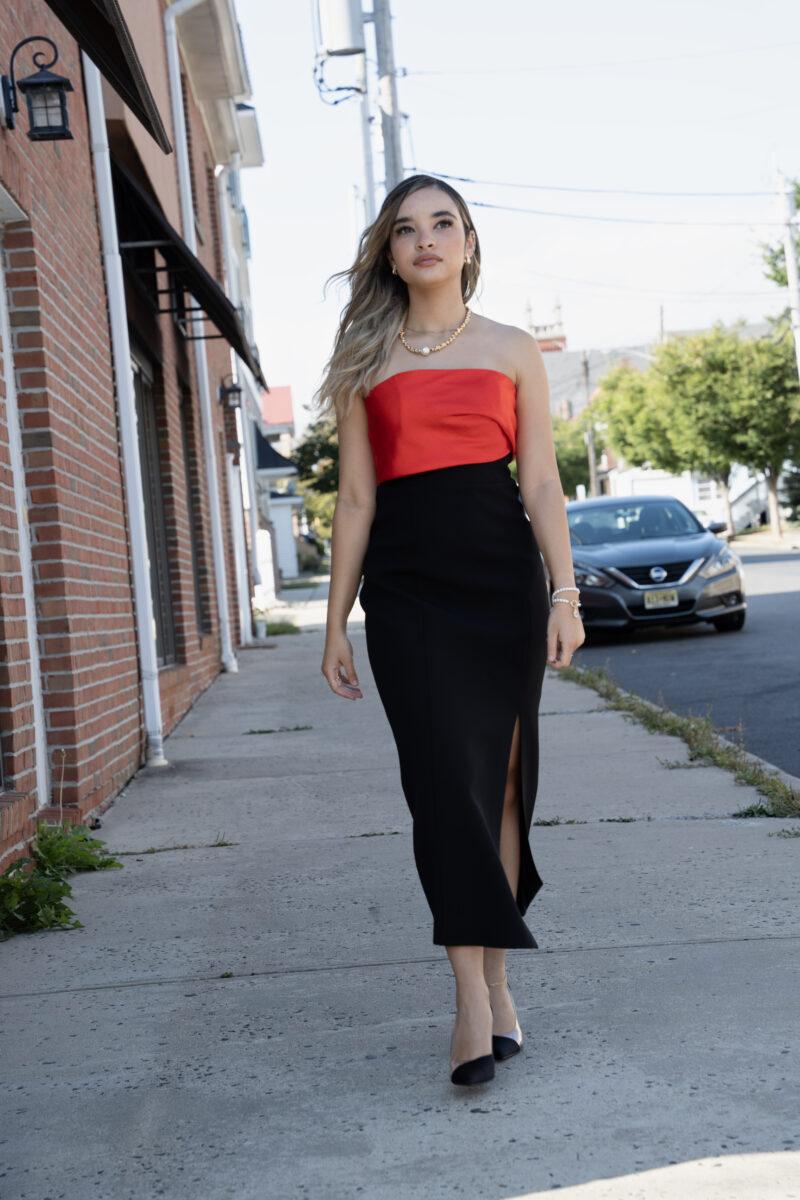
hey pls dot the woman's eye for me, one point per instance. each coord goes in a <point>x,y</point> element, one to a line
<point>446,222</point>
<point>404,229</point>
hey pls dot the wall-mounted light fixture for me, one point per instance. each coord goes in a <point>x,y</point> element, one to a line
<point>230,394</point>
<point>44,92</point>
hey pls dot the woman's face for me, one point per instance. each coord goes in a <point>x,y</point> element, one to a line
<point>427,243</point>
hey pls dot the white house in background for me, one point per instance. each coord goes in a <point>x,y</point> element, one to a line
<point>280,508</point>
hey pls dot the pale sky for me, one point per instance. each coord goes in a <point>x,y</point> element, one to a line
<point>691,96</point>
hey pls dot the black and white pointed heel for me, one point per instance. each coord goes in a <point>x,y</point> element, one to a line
<point>506,1045</point>
<point>474,1070</point>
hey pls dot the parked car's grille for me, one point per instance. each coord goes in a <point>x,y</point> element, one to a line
<point>642,574</point>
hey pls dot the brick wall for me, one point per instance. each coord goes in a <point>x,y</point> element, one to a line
<point>77,503</point>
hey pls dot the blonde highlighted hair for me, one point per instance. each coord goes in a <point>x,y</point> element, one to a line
<point>378,304</point>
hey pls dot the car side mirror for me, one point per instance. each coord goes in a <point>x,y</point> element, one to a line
<point>717,527</point>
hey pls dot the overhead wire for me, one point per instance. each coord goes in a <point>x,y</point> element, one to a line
<point>549,187</point>
<point>619,62</point>
<point>537,212</point>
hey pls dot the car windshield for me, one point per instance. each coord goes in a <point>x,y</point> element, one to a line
<point>629,521</point>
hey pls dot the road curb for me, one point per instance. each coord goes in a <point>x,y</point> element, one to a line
<point>791,781</point>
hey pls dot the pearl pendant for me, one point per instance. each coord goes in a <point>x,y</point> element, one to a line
<point>425,350</point>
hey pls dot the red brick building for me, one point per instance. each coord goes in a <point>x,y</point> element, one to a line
<point>118,560</point>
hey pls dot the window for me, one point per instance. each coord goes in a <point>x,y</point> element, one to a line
<point>193,506</point>
<point>155,522</point>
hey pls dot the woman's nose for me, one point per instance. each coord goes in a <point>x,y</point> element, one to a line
<point>424,239</point>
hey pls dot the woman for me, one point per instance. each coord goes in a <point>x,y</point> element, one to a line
<point>432,403</point>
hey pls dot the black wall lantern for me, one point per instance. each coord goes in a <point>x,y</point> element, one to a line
<point>230,395</point>
<point>45,94</point>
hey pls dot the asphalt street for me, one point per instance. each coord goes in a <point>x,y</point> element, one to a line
<point>750,678</point>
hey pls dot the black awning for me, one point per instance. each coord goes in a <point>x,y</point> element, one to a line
<point>186,272</point>
<point>268,458</point>
<point>99,28</point>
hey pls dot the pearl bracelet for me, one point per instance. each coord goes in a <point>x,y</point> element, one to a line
<point>575,604</point>
<point>566,589</point>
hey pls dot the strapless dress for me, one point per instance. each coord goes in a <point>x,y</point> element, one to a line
<point>455,614</point>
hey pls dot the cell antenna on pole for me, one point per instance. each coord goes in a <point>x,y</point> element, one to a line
<point>341,27</point>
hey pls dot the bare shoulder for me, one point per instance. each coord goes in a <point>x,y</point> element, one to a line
<point>515,348</point>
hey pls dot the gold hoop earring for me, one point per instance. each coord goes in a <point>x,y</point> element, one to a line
<point>394,268</point>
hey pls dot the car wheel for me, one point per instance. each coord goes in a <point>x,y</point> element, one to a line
<point>729,624</point>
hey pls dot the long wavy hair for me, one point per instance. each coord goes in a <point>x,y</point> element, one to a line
<point>378,304</point>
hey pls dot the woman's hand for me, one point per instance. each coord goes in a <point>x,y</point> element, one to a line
<point>564,635</point>
<point>338,667</point>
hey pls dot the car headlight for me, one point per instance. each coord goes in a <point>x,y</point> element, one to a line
<point>724,561</point>
<point>588,577</point>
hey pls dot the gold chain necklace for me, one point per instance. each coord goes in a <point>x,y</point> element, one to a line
<point>426,350</point>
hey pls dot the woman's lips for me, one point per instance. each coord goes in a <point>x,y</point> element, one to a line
<point>426,260</point>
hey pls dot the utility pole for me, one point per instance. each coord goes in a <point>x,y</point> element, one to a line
<point>590,429</point>
<point>366,141</point>
<point>339,30</point>
<point>793,277</point>
<point>387,94</point>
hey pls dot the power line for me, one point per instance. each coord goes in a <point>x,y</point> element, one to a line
<point>622,287</point>
<point>545,187</point>
<point>618,62</point>
<point>536,212</point>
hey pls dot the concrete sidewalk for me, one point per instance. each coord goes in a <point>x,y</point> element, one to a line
<point>271,1019</point>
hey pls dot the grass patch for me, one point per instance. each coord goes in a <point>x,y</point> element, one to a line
<point>559,821</point>
<point>186,846</point>
<point>618,820</point>
<point>780,799</point>
<point>33,890</point>
<point>297,583</point>
<point>785,833</point>
<point>383,833</point>
<point>677,764</point>
<point>282,729</point>
<point>276,627</point>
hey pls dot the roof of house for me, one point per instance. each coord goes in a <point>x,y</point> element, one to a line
<point>268,458</point>
<point>276,406</point>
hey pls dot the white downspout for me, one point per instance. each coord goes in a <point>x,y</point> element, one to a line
<point>248,446</point>
<point>229,662</point>
<point>126,406</point>
<point>24,542</point>
<point>249,452</point>
<point>234,473</point>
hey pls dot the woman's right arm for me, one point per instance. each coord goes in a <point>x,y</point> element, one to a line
<point>352,518</point>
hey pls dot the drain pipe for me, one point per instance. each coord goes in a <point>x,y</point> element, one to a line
<point>229,662</point>
<point>126,407</point>
<point>235,495</point>
<point>248,442</point>
<point>249,452</point>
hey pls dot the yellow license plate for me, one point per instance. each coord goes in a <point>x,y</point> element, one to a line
<point>666,598</point>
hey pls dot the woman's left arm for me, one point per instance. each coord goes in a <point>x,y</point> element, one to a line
<point>543,496</point>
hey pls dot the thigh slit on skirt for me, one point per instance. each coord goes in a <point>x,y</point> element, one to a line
<point>455,611</point>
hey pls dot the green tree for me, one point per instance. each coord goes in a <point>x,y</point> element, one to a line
<point>768,428</point>
<point>316,457</point>
<point>571,453</point>
<point>637,421</point>
<point>708,401</point>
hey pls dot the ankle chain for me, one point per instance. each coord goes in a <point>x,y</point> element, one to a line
<point>500,982</point>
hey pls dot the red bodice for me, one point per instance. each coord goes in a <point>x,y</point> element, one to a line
<point>421,420</point>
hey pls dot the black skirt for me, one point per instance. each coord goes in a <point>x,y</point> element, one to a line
<point>455,613</point>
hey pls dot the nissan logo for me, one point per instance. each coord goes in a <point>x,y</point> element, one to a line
<point>658,574</point>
